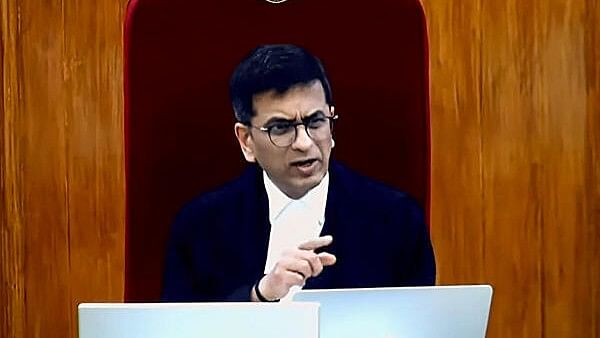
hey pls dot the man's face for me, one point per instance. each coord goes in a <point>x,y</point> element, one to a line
<point>299,167</point>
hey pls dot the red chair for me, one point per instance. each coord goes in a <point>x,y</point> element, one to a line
<point>179,55</point>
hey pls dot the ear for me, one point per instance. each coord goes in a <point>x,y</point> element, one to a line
<point>242,132</point>
<point>332,110</point>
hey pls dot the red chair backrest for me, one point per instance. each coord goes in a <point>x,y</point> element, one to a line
<point>179,124</point>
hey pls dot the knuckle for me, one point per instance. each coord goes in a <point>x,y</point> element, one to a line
<point>305,265</point>
<point>315,259</point>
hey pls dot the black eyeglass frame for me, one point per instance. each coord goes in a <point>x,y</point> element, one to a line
<point>304,122</point>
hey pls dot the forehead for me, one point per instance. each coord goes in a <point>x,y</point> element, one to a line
<point>299,100</point>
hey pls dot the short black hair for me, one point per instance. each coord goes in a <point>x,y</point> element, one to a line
<point>273,67</point>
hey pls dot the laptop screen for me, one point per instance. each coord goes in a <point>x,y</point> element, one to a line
<point>413,312</point>
<point>198,320</point>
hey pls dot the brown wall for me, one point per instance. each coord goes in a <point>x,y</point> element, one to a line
<point>61,162</point>
<point>516,159</point>
<point>515,154</point>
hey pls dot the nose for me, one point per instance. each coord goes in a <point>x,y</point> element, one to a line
<point>303,141</point>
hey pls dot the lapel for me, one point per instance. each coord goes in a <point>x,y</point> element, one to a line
<point>334,225</point>
<point>255,220</point>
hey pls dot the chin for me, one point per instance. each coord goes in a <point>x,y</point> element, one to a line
<point>308,183</point>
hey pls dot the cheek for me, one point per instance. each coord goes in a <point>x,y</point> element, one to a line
<point>270,158</point>
<point>325,148</point>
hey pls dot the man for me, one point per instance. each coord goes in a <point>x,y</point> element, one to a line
<point>293,219</point>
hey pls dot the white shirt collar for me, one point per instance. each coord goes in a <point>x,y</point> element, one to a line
<point>315,199</point>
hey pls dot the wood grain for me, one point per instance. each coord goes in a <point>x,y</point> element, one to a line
<point>12,282</point>
<point>538,128</point>
<point>62,169</point>
<point>562,98</point>
<point>591,199</point>
<point>93,82</point>
<point>456,204</point>
<point>513,170</point>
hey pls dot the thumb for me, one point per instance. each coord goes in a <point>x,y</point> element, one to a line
<point>327,258</point>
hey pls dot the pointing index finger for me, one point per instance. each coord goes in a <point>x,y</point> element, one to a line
<point>316,243</point>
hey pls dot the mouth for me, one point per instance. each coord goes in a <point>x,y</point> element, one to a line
<point>304,163</point>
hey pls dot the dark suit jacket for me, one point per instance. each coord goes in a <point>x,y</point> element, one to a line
<point>218,245</point>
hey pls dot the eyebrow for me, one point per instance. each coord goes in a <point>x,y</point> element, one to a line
<point>277,120</point>
<point>282,120</point>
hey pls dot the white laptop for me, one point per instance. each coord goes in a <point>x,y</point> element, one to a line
<point>411,312</point>
<point>199,320</point>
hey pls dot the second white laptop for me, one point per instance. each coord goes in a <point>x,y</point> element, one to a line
<point>411,312</point>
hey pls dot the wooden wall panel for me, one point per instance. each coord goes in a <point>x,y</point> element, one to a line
<point>455,38</point>
<point>95,149</point>
<point>43,168</point>
<point>62,170</point>
<point>12,281</point>
<point>513,168</point>
<point>567,251</point>
<point>591,198</point>
<point>538,130</point>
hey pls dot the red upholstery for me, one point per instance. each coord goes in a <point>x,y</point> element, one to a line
<point>179,124</point>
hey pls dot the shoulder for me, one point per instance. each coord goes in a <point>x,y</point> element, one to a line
<point>362,197</point>
<point>220,199</point>
<point>368,194</point>
<point>381,214</point>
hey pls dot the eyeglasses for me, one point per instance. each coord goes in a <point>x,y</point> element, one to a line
<point>283,133</point>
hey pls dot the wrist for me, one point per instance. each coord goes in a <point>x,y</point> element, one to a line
<point>261,297</point>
